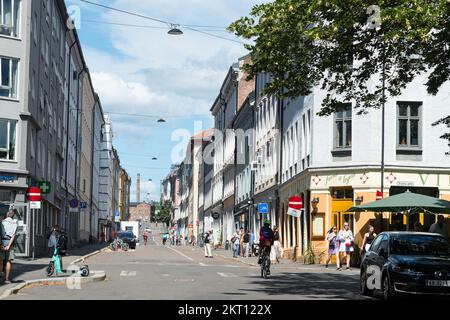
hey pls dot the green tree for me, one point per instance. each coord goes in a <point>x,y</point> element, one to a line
<point>163,212</point>
<point>346,47</point>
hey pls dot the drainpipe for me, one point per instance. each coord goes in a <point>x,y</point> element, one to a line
<point>77,153</point>
<point>93,152</point>
<point>67,126</point>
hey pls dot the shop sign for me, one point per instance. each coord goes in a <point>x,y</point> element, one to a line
<point>6,178</point>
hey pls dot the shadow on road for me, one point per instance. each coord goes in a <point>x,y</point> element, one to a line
<point>312,285</point>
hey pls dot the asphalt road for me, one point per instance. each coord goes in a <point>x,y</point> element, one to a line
<point>163,272</point>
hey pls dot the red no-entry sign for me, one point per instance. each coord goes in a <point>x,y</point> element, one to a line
<point>34,194</point>
<point>296,203</point>
<point>379,195</point>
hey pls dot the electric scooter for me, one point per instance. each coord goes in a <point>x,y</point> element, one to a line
<point>55,265</point>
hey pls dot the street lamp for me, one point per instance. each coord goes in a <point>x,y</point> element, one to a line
<point>154,158</point>
<point>161,120</point>
<point>175,31</point>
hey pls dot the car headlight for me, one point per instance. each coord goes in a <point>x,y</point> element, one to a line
<point>405,270</point>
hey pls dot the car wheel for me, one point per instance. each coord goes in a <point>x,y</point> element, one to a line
<point>363,284</point>
<point>388,291</point>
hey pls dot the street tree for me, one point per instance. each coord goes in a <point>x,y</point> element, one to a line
<point>163,214</point>
<point>349,48</point>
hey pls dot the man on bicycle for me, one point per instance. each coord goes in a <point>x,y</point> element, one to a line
<point>265,240</point>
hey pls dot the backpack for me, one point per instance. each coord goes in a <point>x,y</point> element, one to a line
<point>246,237</point>
<point>266,233</point>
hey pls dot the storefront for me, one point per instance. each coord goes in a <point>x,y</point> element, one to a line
<point>332,194</point>
<point>12,196</point>
<point>294,232</point>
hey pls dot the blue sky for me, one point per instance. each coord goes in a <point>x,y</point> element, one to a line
<point>147,71</point>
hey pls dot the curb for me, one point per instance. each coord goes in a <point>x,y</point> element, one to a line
<point>96,277</point>
<point>88,256</point>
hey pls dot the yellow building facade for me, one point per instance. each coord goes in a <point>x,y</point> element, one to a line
<point>328,194</point>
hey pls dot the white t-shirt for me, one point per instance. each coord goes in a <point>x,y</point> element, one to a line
<point>9,227</point>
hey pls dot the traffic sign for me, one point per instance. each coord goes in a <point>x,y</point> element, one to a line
<point>45,187</point>
<point>263,207</point>
<point>379,195</point>
<point>295,213</point>
<point>296,203</point>
<point>83,205</point>
<point>34,194</point>
<point>73,203</point>
<point>35,205</point>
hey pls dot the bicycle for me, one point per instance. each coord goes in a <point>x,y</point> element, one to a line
<point>119,243</point>
<point>265,262</point>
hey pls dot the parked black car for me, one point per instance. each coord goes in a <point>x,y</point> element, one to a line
<point>129,238</point>
<point>406,263</point>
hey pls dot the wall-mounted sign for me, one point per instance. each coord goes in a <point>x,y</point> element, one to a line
<point>45,186</point>
<point>7,178</point>
<point>263,207</point>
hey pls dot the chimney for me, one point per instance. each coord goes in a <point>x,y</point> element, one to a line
<point>138,188</point>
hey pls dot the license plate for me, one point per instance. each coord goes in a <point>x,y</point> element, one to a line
<point>438,283</point>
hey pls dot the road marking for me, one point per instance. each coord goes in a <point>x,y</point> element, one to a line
<point>253,274</point>
<point>184,280</point>
<point>128,273</point>
<point>182,254</point>
<point>227,275</point>
<point>166,275</point>
<point>202,264</point>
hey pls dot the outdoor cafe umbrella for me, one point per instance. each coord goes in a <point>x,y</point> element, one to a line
<point>407,202</point>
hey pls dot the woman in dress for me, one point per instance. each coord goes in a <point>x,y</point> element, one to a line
<point>333,246</point>
<point>346,244</point>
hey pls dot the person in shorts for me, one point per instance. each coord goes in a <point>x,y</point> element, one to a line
<point>8,233</point>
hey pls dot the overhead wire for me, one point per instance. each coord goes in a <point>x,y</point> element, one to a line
<point>188,27</point>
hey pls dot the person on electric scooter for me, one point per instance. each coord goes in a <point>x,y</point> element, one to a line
<point>61,244</point>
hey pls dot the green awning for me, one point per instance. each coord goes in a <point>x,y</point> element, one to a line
<point>407,201</point>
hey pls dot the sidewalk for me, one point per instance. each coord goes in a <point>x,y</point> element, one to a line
<point>27,269</point>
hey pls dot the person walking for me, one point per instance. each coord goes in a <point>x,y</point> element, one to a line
<point>207,240</point>
<point>275,251</point>
<point>51,243</point>
<point>145,236</point>
<point>8,234</point>
<point>368,239</point>
<point>246,243</point>
<point>346,240</point>
<point>418,227</point>
<point>333,246</point>
<point>241,242</point>
<point>235,241</point>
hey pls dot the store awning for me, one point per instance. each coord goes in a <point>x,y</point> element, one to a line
<point>406,202</point>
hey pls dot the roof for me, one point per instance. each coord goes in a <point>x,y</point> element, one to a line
<point>204,135</point>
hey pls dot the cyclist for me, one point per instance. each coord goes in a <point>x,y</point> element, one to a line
<point>265,241</point>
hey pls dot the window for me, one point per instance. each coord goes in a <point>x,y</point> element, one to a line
<point>318,226</point>
<point>9,18</point>
<point>32,143</point>
<point>409,114</point>
<point>343,127</point>
<point>7,139</point>
<point>8,77</point>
